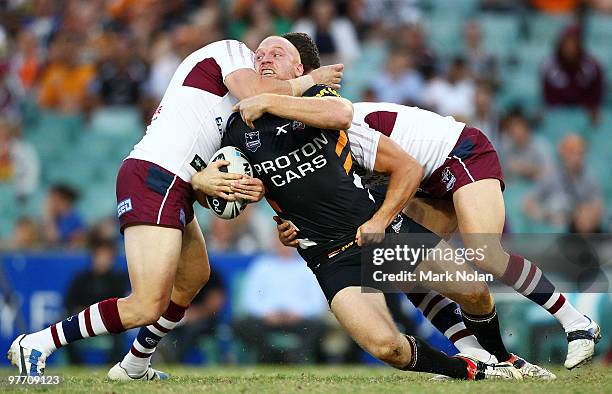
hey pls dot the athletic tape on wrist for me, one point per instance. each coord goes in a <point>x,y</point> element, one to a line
<point>300,85</point>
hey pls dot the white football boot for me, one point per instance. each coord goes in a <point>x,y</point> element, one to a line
<point>581,344</point>
<point>117,372</point>
<point>29,361</point>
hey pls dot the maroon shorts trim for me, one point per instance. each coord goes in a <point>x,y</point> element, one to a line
<point>473,158</point>
<point>151,195</point>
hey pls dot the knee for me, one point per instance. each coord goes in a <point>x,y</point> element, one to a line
<point>388,349</point>
<point>478,299</point>
<point>147,310</point>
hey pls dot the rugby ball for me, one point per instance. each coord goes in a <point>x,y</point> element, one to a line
<point>238,165</point>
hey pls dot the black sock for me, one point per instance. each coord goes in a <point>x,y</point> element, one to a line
<point>427,359</point>
<point>486,330</point>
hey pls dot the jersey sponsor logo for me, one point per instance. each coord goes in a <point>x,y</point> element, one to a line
<point>124,206</point>
<point>198,163</point>
<point>303,161</point>
<point>340,250</point>
<point>296,125</point>
<point>182,216</point>
<point>281,130</point>
<point>252,141</point>
<point>448,178</point>
<point>326,92</point>
<point>397,223</point>
<point>219,122</point>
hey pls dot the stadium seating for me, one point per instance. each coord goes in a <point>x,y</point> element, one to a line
<point>561,121</point>
<point>500,34</point>
<point>545,28</point>
<point>464,8</point>
<point>599,29</point>
<point>8,210</point>
<point>442,33</point>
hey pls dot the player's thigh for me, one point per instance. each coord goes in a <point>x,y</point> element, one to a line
<point>480,207</point>
<point>481,215</point>
<point>437,215</point>
<point>152,254</point>
<point>193,268</point>
<point>366,318</point>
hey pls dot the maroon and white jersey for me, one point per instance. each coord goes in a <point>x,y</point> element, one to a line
<point>186,129</point>
<point>424,135</point>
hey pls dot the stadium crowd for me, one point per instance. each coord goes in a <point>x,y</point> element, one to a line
<point>80,79</point>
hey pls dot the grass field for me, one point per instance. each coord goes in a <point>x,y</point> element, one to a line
<point>320,379</point>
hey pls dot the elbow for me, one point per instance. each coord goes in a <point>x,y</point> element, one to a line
<point>346,115</point>
<point>415,170</point>
<point>343,115</point>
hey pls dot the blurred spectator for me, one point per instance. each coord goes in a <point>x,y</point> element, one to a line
<point>524,156</point>
<point>368,95</point>
<point>248,233</point>
<point>26,234</point>
<point>9,92</point>
<point>19,163</point>
<point>572,77</point>
<point>284,8</point>
<point>556,6</point>
<point>602,7</point>
<point>568,197</point>
<point>454,94</point>
<point>502,5</point>
<point>188,38</point>
<point>411,39</point>
<point>200,321</point>
<point>390,13</point>
<point>98,282</point>
<point>399,82</point>
<point>27,60</point>
<point>79,16</point>
<point>335,36</point>
<point>63,224</point>
<point>255,20</point>
<point>284,308</point>
<point>66,78</point>
<point>480,63</point>
<point>44,19</point>
<point>164,61</point>
<point>486,117</point>
<point>119,78</point>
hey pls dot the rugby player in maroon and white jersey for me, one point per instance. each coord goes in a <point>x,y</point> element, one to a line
<point>460,166</point>
<point>156,188</point>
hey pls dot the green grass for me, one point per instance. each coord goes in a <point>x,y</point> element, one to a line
<point>319,379</point>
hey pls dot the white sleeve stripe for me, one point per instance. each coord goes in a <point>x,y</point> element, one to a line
<point>364,136</point>
<point>240,45</point>
<point>229,51</point>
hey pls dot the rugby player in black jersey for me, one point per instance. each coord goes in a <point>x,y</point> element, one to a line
<point>462,178</point>
<point>310,182</point>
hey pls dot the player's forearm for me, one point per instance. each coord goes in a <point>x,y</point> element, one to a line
<point>334,113</point>
<point>403,183</point>
<point>405,175</point>
<point>246,83</point>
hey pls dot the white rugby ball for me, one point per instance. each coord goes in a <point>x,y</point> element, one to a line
<point>238,165</point>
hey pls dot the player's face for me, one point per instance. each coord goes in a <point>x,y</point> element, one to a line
<point>277,58</point>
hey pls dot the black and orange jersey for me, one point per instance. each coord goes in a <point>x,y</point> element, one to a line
<point>309,177</point>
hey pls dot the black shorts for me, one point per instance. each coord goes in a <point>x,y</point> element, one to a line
<point>344,269</point>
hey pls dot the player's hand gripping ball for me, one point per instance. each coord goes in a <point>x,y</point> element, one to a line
<point>238,165</point>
